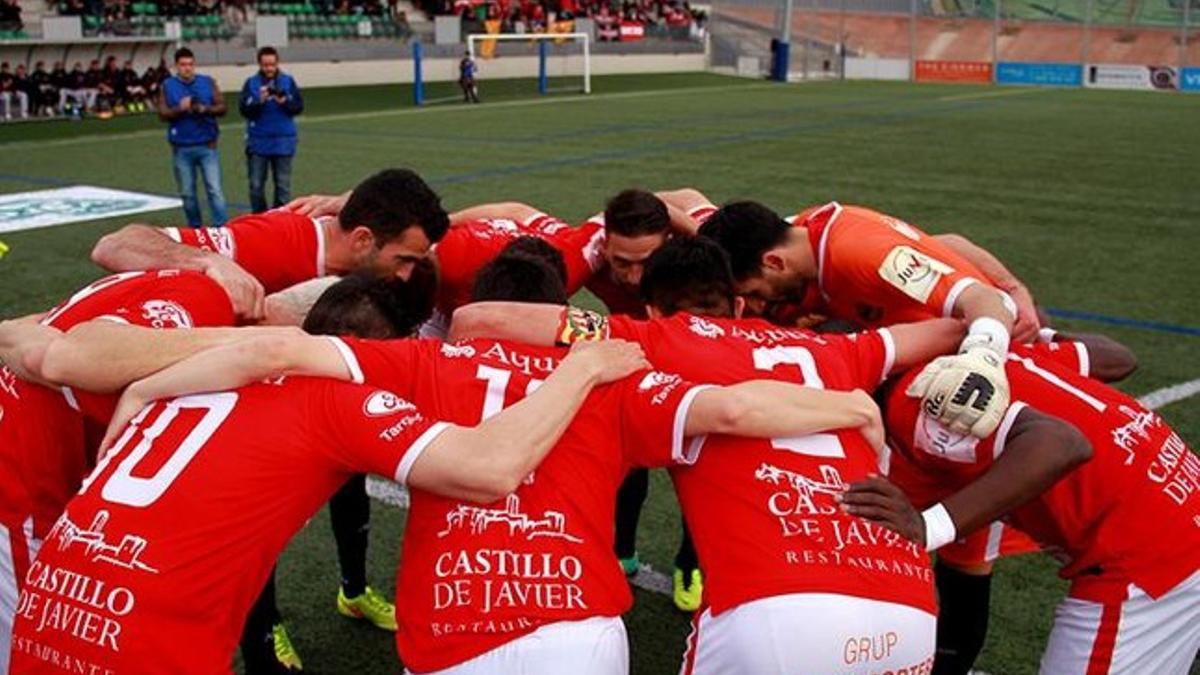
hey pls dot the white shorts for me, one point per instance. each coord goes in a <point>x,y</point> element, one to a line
<point>18,548</point>
<point>595,646</point>
<point>812,633</point>
<point>1134,636</point>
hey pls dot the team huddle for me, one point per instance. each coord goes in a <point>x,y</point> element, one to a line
<point>859,418</point>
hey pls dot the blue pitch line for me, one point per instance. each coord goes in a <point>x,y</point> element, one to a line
<point>704,143</point>
<point>1123,321</point>
<point>618,128</point>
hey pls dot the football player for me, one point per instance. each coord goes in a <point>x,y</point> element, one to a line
<point>386,228</point>
<point>1088,472</point>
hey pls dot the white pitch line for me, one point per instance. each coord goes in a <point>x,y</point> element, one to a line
<point>1172,394</point>
<point>654,581</point>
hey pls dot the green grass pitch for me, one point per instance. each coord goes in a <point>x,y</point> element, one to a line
<point>1089,196</point>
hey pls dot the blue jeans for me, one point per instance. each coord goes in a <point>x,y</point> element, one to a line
<point>187,159</point>
<point>256,169</point>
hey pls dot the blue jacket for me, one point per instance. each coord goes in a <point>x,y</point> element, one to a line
<point>270,129</point>
<point>189,129</point>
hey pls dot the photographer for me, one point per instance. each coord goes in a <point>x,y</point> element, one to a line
<point>269,102</point>
<point>191,104</point>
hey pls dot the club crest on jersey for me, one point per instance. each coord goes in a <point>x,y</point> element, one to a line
<point>166,314</point>
<point>936,439</point>
<point>913,272</point>
<point>503,226</point>
<point>217,239</point>
<point>383,403</point>
<point>705,328</point>
<point>457,351</point>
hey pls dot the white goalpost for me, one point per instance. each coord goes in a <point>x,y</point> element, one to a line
<point>544,42</point>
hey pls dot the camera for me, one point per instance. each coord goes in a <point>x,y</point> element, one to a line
<point>274,91</point>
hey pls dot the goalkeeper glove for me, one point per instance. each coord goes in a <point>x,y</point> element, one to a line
<point>968,392</point>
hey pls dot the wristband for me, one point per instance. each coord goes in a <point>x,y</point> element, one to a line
<point>939,527</point>
<point>986,332</point>
<point>1046,335</point>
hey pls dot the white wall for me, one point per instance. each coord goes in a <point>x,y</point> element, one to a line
<point>326,73</point>
<point>870,68</point>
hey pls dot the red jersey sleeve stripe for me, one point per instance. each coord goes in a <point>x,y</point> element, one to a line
<point>347,354</point>
<point>1006,426</point>
<point>414,451</point>
<point>955,291</point>
<point>691,453</point>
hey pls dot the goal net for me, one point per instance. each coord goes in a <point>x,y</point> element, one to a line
<point>558,62</point>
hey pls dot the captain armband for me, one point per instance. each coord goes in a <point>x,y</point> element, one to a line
<point>576,324</point>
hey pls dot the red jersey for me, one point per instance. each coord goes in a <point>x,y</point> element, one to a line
<point>153,299</point>
<point>174,534</point>
<point>470,245</point>
<point>762,512</point>
<point>473,576</point>
<point>43,451</point>
<point>279,248</point>
<point>42,455</point>
<point>1130,515</point>
<point>877,270</point>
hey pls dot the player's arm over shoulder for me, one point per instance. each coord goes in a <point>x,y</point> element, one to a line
<point>138,247</point>
<point>1033,453</point>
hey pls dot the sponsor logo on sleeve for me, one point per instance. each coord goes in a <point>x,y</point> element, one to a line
<point>166,314</point>
<point>913,272</point>
<point>664,383</point>
<point>383,403</point>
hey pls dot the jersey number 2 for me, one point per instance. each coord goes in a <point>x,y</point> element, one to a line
<point>815,445</point>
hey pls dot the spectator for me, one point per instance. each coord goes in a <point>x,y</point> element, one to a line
<point>92,82</point>
<point>191,104</point>
<point>108,95</point>
<point>10,95</point>
<point>466,79</point>
<point>10,15</point>
<point>133,91</point>
<point>270,101</point>
<point>60,80</point>
<point>152,80</point>
<point>24,86</point>
<point>45,93</point>
<point>75,89</point>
